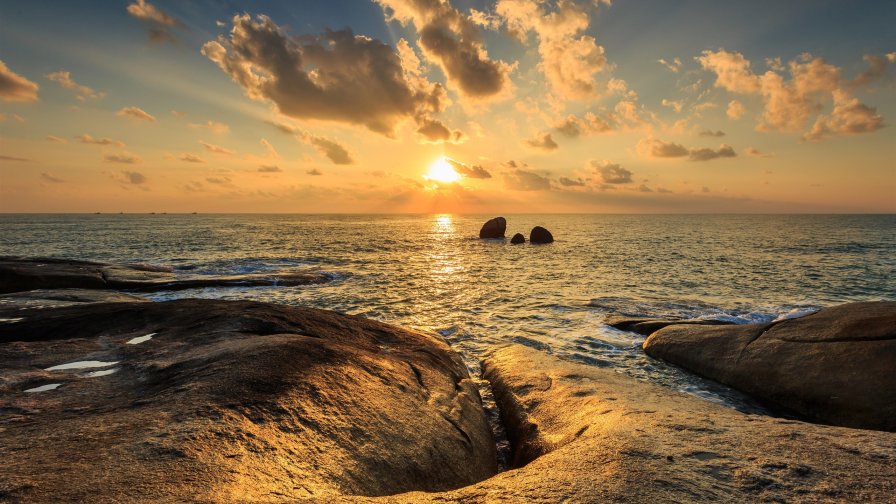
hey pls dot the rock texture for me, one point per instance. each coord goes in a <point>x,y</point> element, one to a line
<point>493,228</point>
<point>647,326</point>
<point>57,298</point>
<point>231,401</point>
<point>517,239</point>
<point>836,366</point>
<point>584,434</point>
<point>540,235</point>
<point>22,274</point>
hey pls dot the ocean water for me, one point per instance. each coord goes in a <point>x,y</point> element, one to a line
<point>432,273</point>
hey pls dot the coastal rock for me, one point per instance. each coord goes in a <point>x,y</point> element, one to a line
<point>518,238</point>
<point>647,326</point>
<point>57,298</point>
<point>493,228</point>
<point>540,235</point>
<point>834,366</point>
<point>23,274</point>
<point>230,401</point>
<point>587,434</point>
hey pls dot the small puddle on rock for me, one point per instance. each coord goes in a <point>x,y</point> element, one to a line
<point>44,388</point>
<point>81,365</point>
<point>140,339</point>
<point>104,372</point>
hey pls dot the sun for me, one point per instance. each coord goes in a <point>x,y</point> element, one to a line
<point>442,171</point>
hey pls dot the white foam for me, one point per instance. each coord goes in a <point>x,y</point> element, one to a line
<point>11,320</point>
<point>140,339</point>
<point>81,365</point>
<point>44,388</point>
<point>104,372</point>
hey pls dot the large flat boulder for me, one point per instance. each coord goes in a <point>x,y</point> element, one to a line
<point>22,274</point>
<point>836,366</point>
<point>585,434</point>
<point>230,401</point>
<point>646,326</point>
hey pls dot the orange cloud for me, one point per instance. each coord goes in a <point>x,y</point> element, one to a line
<point>14,87</point>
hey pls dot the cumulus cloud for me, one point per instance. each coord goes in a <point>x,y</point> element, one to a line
<point>543,142</point>
<point>132,177</point>
<point>788,104</point>
<point>452,40</point>
<point>655,148</point>
<point>160,23</point>
<point>51,178</point>
<point>589,124</point>
<point>568,182</point>
<point>14,87</point>
<point>122,159</point>
<point>314,172</point>
<point>673,66</point>
<point>569,58</point>
<point>213,126</point>
<point>335,76</point>
<point>877,68</point>
<point>217,149</point>
<point>335,152</point>
<point>706,154</point>
<point>735,110</point>
<point>433,131</point>
<point>675,105</point>
<point>524,180</point>
<point>136,113</point>
<point>477,172</point>
<point>269,169</point>
<point>612,173</point>
<point>87,139</point>
<point>83,92</point>
<point>191,158</point>
<point>711,133</point>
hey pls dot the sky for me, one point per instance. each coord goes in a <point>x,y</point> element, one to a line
<point>434,106</point>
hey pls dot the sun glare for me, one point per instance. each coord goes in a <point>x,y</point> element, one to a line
<point>442,171</point>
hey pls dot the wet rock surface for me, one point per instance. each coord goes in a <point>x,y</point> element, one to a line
<point>493,228</point>
<point>647,326</point>
<point>230,401</point>
<point>835,366</point>
<point>23,274</point>
<point>540,235</point>
<point>517,239</point>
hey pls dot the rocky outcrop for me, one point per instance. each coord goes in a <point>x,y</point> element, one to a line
<point>57,298</point>
<point>646,326</point>
<point>493,228</point>
<point>587,434</point>
<point>517,239</point>
<point>22,274</point>
<point>835,366</point>
<point>230,401</point>
<point>540,235</point>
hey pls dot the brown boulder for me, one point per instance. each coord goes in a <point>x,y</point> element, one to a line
<point>493,228</point>
<point>835,366</point>
<point>231,401</point>
<point>540,235</point>
<point>517,239</point>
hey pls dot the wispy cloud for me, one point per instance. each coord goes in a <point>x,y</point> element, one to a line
<point>50,178</point>
<point>83,92</point>
<point>122,159</point>
<point>136,113</point>
<point>160,23</point>
<point>217,149</point>
<point>191,158</point>
<point>213,126</point>
<point>542,141</point>
<point>14,87</point>
<point>477,172</point>
<point>269,169</point>
<point>655,148</point>
<point>87,139</point>
<point>335,152</point>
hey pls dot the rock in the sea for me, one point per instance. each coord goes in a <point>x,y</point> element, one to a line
<point>493,228</point>
<point>22,274</point>
<point>518,238</point>
<point>230,401</point>
<point>836,366</point>
<point>586,434</point>
<point>647,326</point>
<point>57,298</point>
<point>540,235</point>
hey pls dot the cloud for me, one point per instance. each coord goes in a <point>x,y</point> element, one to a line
<point>711,133</point>
<point>331,149</point>
<point>568,182</point>
<point>65,80</point>
<point>270,151</point>
<point>477,172</point>
<point>285,128</point>
<point>14,87</point>
<point>732,71</point>
<point>135,178</point>
<point>452,41</point>
<point>877,68</point>
<point>159,21</point>
<point>225,181</point>
<point>569,59</point>
<point>433,131</point>
<point>735,110</point>
<point>191,158</point>
<point>673,66</point>
<point>612,173</point>
<point>574,126</point>
<point>56,139</point>
<point>213,126</point>
<point>674,105</point>
<point>335,76</point>
<point>217,149</point>
<point>14,117</point>
<point>750,151</point>
<point>849,117</point>
<point>87,139</point>
<point>122,159</point>
<point>524,180</point>
<point>136,113</point>
<point>644,188</point>
<point>543,141</point>
<point>705,154</point>
<point>51,178</point>
<point>314,172</point>
<point>269,169</point>
<point>12,158</point>
<point>655,148</point>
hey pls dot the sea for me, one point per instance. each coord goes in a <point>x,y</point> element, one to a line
<point>432,273</point>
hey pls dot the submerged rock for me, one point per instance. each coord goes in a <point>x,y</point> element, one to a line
<point>493,228</point>
<point>647,326</point>
<point>517,239</point>
<point>230,401</point>
<point>540,235</point>
<point>835,366</point>
<point>22,274</point>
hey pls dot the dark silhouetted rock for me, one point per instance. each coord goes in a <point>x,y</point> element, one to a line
<point>231,401</point>
<point>494,228</point>
<point>836,366</point>
<point>20,274</point>
<point>647,326</point>
<point>540,235</point>
<point>57,298</point>
<point>518,238</point>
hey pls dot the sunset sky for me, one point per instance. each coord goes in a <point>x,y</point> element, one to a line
<point>537,105</point>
